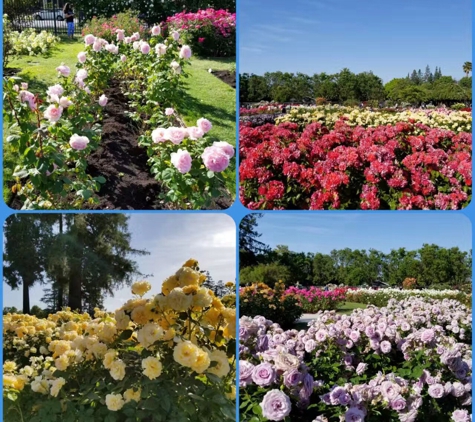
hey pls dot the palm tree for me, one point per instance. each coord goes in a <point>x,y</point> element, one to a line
<point>467,68</point>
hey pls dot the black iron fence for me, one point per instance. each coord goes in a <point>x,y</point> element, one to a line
<point>43,15</point>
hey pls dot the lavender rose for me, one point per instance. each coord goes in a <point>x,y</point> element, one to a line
<point>263,374</point>
<point>275,405</point>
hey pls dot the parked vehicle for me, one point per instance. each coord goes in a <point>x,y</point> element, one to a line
<point>46,14</point>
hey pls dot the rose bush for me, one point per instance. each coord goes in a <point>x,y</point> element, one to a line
<point>260,299</point>
<point>170,357</point>
<point>313,299</point>
<point>409,361</point>
<point>209,32</point>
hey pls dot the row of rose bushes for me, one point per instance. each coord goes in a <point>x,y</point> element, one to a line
<point>286,305</point>
<point>55,133</point>
<point>441,118</point>
<point>28,42</point>
<point>264,109</point>
<point>410,361</point>
<point>169,357</point>
<point>401,166</point>
<point>382,297</point>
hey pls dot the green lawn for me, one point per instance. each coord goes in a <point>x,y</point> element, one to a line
<point>345,308</point>
<point>207,96</point>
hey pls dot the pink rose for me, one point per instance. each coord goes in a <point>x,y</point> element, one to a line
<point>156,30</point>
<point>175,134</point>
<point>159,135</point>
<point>175,35</point>
<point>185,52</point>
<point>97,46</point>
<point>160,49</point>
<point>78,142</point>
<point>82,57</point>
<point>135,36</point>
<point>111,48</point>
<point>204,124</point>
<point>53,113</point>
<point>64,102</point>
<point>123,58</point>
<point>63,70</point>
<point>195,133</point>
<point>16,88</point>
<point>24,85</point>
<point>28,97</point>
<point>120,34</point>
<point>225,147</point>
<point>89,39</point>
<point>81,74</point>
<point>181,160</point>
<point>54,92</point>
<point>102,100</point>
<point>145,48</point>
<point>215,159</point>
<point>127,40</point>
<point>136,45</point>
<point>169,111</point>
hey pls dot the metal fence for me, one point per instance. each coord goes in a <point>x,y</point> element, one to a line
<point>47,16</point>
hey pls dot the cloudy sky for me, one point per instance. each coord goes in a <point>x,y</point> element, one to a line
<point>171,239</point>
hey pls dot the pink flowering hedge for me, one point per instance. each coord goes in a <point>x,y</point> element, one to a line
<point>410,361</point>
<point>314,299</point>
<point>404,166</point>
<point>209,32</point>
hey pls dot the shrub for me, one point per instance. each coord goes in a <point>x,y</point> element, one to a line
<point>409,283</point>
<point>260,299</point>
<point>209,32</point>
<point>106,27</point>
<point>321,101</point>
<point>149,361</point>
<point>32,43</point>
<point>7,41</point>
<point>458,106</point>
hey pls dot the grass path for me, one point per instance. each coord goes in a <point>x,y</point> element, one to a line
<point>207,96</point>
<point>345,308</point>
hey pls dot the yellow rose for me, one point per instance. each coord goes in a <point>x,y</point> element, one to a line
<point>149,334</point>
<point>185,353</point>
<point>187,276</point>
<point>122,320</point>
<point>109,358</point>
<point>191,263</point>
<point>130,395</point>
<point>222,368</point>
<point>202,361</point>
<point>178,301</point>
<point>140,315</point>
<point>117,370</point>
<point>13,381</point>
<point>114,402</point>
<point>140,288</point>
<point>56,386</point>
<point>232,394</point>
<point>152,367</point>
<point>9,366</point>
<point>169,284</point>
<point>40,385</point>
<point>62,362</point>
<point>203,298</point>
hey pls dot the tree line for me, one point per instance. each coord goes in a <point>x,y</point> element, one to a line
<point>349,88</point>
<point>431,265</point>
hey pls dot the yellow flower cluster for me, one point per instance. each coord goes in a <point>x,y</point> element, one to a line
<point>185,321</point>
<point>456,121</point>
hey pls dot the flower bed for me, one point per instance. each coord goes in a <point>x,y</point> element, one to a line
<point>409,361</point>
<point>209,32</point>
<point>401,166</point>
<point>383,296</point>
<point>313,299</point>
<point>32,43</point>
<point>52,174</point>
<point>170,357</point>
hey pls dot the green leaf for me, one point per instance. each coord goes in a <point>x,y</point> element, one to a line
<point>100,179</point>
<point>125,335</point>
<point>151,404</point>
<point>210,174</point>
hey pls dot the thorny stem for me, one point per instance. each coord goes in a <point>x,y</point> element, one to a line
<point>13,110</point>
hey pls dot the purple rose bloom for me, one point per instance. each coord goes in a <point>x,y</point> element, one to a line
<point>427,335</point>
<point>390,390</point>
<point>458,390</point>
<point>408,416</point>
<point>263,374</point>
<point>335,395</point>
<point>353,414</point>
<point>398,404</point>
<point>245,373</point>
<point>275,405</point>
<point>436,391</point>
<point>361,368</point>
<point>385,346</point>
<point>292,378</point>
<point>310,345</point>
<point>326,398</point>
<point>243,333</point>
<point>461,415</point>
<point>262,343</point>
<point>345,399</point>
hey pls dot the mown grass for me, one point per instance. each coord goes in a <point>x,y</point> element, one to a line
<point>345,308</point>
<point>207,96</point>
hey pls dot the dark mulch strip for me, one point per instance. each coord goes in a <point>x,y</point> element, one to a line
<point>226,76</point>
<point>129,183</point>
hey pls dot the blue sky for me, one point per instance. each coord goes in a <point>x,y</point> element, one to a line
<point>171,239</point>
<point>323,232</point>
<point>391,38</point>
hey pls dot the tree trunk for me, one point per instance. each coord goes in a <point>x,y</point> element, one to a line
<point>60,296</point>
<point>26,297</point>
<point>75,291</point>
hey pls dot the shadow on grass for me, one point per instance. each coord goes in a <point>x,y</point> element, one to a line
<point>34,85</point>
<point>195,109</point>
